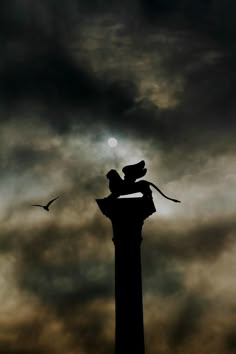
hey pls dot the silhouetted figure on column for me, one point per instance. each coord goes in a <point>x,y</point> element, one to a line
<point>127,216</point>
<point>119,186</point>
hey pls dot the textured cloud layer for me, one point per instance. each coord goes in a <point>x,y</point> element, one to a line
<point>160,77</point>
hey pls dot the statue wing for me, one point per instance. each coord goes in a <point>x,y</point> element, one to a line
<point>132,172</point>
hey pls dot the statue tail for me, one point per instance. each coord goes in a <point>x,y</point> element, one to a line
<point>165,196</point>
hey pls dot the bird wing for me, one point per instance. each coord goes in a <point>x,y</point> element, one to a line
<point>37,205</point>
<point>52,201</point>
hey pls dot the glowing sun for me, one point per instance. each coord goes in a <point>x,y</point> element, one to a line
<point>112,142</point>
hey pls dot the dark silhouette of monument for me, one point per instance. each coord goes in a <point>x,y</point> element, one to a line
<point>127,216</point>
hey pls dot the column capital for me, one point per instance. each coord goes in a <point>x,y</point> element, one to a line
<point>127,209</point>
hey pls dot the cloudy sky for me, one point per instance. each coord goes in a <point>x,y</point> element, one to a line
<point>159,76</point>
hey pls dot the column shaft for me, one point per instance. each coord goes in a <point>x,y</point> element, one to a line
<point>129,330</point>
<point>127,216</point>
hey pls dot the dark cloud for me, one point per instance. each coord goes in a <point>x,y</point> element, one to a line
<point>7,349</point>
<point>25,337</point>
<point>213,18</point>
<point>187,320</point>
<point>205,241</point>
<point>70,92</point>
<point>27,157</point>
<point>159,74</point>
<point>57,267</point>
<point>153,9</point>
<point>230,342</point>
<point>53,267</point>
<point>160,275</point>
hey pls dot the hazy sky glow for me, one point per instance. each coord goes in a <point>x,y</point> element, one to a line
<point>158,76</point>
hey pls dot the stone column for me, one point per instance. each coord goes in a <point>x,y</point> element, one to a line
<point>127,216</point>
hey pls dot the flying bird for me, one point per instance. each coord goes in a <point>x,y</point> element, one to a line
<point>46,207</point>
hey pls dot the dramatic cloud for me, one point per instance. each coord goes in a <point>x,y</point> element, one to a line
<point>159,76</point>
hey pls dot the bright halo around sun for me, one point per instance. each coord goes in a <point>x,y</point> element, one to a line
<point>112,142</point>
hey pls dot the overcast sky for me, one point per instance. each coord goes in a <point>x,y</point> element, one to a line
<point>159,76</point>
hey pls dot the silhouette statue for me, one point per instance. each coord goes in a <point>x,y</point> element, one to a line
<point>127,216</point>
<point>45,207</point>
<point>119,186</point>
<point>133,172</point>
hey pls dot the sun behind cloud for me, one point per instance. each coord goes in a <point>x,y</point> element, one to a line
<point>112,142</point>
